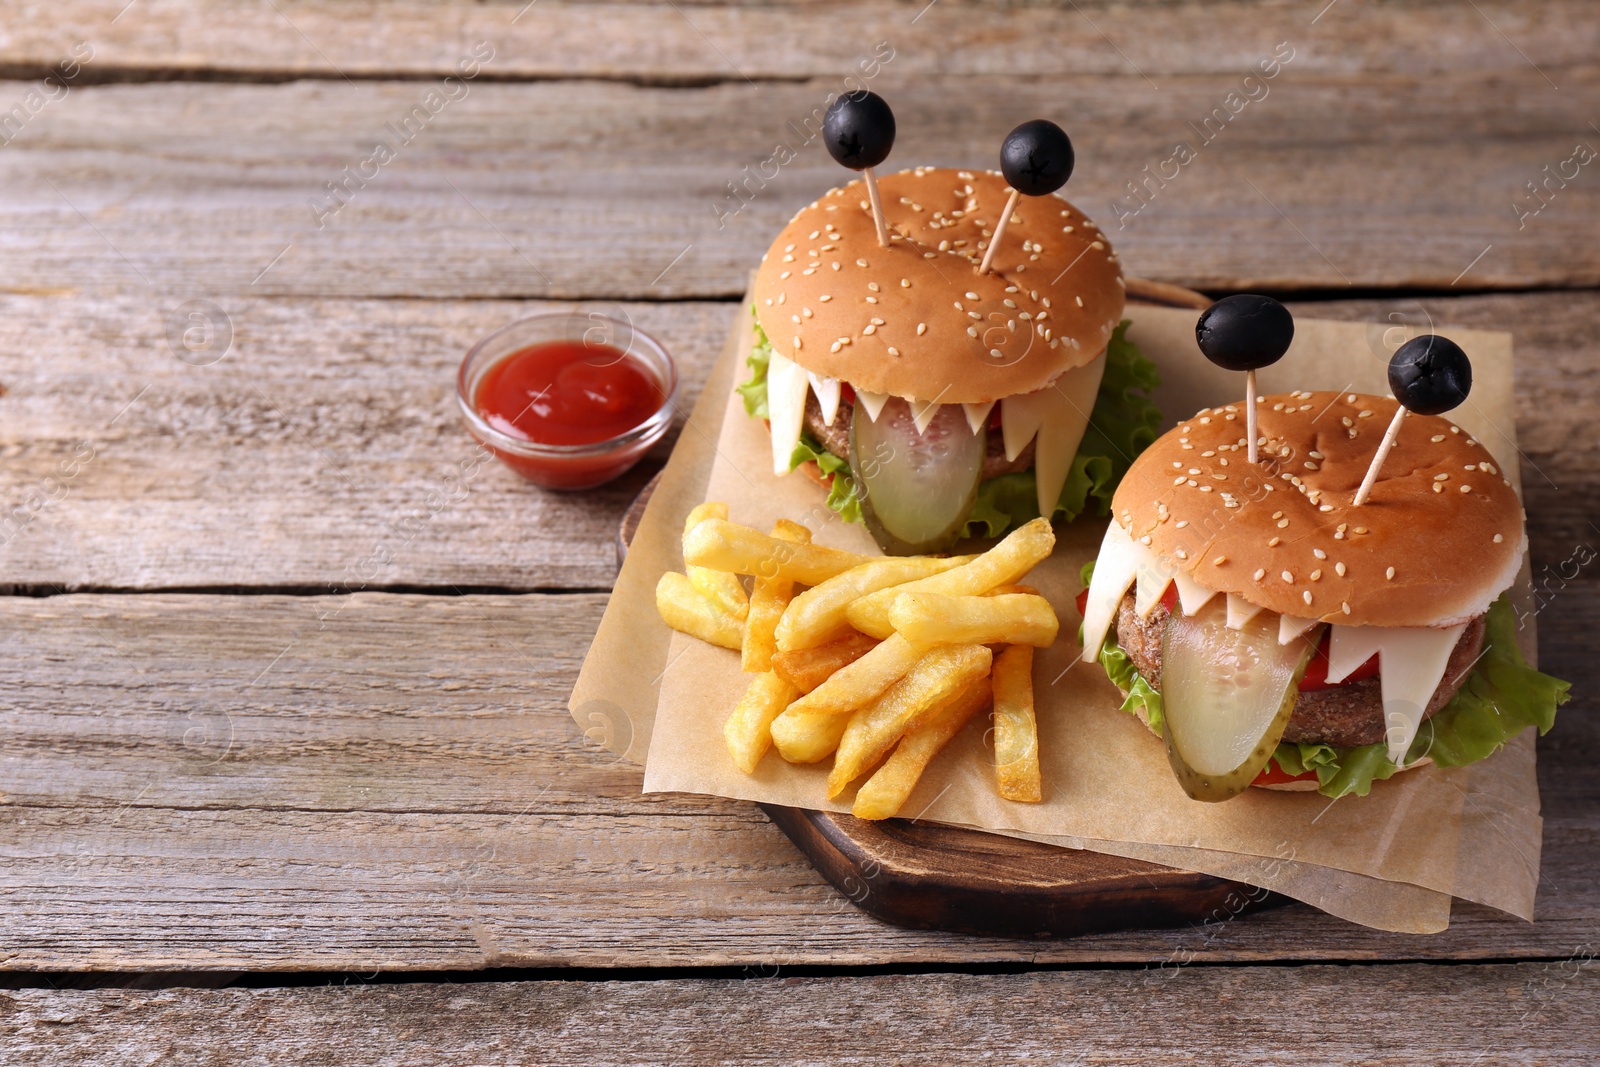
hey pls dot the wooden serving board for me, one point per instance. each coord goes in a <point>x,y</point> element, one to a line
<point>932,876</point>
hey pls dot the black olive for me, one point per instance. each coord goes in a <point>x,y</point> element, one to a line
<point>1037,158</point>
<point>1244,332</point>
<point>1430,374</point>
<point>858,129</point>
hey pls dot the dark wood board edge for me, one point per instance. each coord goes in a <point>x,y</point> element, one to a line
<point>932,876</point>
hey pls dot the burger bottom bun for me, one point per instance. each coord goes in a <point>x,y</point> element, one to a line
<point>1283,787</point>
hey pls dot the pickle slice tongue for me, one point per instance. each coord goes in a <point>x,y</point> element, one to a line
<point>917,488</point>
<point>1226,695</point>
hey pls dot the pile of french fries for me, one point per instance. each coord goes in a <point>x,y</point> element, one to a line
<point>877,662</point>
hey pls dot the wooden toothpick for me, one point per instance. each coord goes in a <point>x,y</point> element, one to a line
<point>1379,456</point>
<point>999,231</point>
<point>877,207</point>
<point>1250,411</point>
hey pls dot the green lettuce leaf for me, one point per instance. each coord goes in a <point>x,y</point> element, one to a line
<point>1123,423</point>
<point>1501,697</point>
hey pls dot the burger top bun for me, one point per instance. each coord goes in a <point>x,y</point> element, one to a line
<point>1439,538</point>
<point>916,319</point>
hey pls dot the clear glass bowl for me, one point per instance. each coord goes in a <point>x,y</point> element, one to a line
<point>569,466</point>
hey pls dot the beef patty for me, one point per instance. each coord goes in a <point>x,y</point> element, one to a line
<point>836,439</point>
<point>1345,716</point>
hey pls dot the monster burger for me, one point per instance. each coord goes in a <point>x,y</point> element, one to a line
<point>1276,633</point>
<point>931,397</point>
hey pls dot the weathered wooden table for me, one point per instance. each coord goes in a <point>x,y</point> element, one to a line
<point>288,773</point>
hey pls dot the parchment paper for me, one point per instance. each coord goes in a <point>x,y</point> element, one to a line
<point>1391,860</point>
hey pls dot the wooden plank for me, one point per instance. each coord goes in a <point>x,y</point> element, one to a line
<point>1528,1013</point>
<point>226,192</point>
<point>209,782</point>
<point>657,42</point>
<point>254,472</point>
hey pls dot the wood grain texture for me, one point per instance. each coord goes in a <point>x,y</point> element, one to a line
<point>695,42</point>
<point>323,453</point>
<point>393,781</point>
<point>1530,1013</point>
<point>180,191</point>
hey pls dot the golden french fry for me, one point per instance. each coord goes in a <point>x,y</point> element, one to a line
<point>1011,618</point>
<point>720,586</point>
<point>1002,590</point>
<point>1016,735</point>
<point>807,738</point>
<point>862,681</point>
<point>817,615</point>
<point>683,607</point>
<point>767,603</point>
<point>748,730</point>
<point>807,668</point>
<point>883,795</point>
<point>932,681</point>
<point>727,546</point>
<point>1005,563</point>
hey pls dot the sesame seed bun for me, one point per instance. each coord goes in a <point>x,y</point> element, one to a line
<point>896,320</point>
<point>1439,538</point>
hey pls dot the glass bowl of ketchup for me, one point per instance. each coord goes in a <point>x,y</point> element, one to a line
<point>568,399</point>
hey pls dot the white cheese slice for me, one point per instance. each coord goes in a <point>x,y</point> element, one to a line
<point>1192,596</point>
<point>1240,611</point>
<point>1411,664</point>
<point>1114,571</point>
<point>827,390</point>
<point>1020,417</point>
<point>978,415</point>
<point>1066,417</point>
<point>923,412</point>
<point>871,403</point>
<point>1291,627</point>
<point>1153,577</point>
<point>787,387</point>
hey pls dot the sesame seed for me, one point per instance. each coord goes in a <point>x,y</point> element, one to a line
<point>894,351</point>
<point>1364,414</point>
<point>995,352</point>
<point>1145,540</point>
<point>1389,574</point>
<point>1316,576</point>
<point>872,300</point>
<point>972,331</point>
<point>905,283</point>
<point>1181,523</point>
<point>957,305</point>
<point>1436,438</point>
<point>1288,577</point>
<point>1275,542</point>
<point>1319,553</point>
<point>1325,507</point>
<point>1361,529</point>
<point>1259,574</point>
<point>973,296</point>
<point>1219,561</point>
<point>922,328</point>
<point>1306,596</point>
<point>835,347</point>
<point>1498,539</point>
<point>1178,480</point>
<point>1181,554</point>
<point>861,263</point>
<point>873,286</point>
<point>824,298</point>
<point>1282,523</point>
<point>1338,568</point>
<point>869,329</point>
<point>785,274</point>
<point>1440,477</point>
<point>1466,488</point>
<point>797,341</point>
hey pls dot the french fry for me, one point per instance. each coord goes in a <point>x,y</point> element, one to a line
<point>683,607</point>
<point>768,600</point>
<point>748,730</point>
<point>934,680</point>
<point>807,668</point>
<point>1002,590</point>
<point>818,615</point>
<point>1016,735</point>
<point>720,586</point>
<point>807,738</point>
<point>862,681</point>
<point>727,546</point>
<point>884,794</point>
<point>1016,555</point>
<point>927,619</point>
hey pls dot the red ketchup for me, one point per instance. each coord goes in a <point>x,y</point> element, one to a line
<point>561,395</point>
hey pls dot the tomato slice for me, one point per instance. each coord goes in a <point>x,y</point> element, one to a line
<point>1272,774</point>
